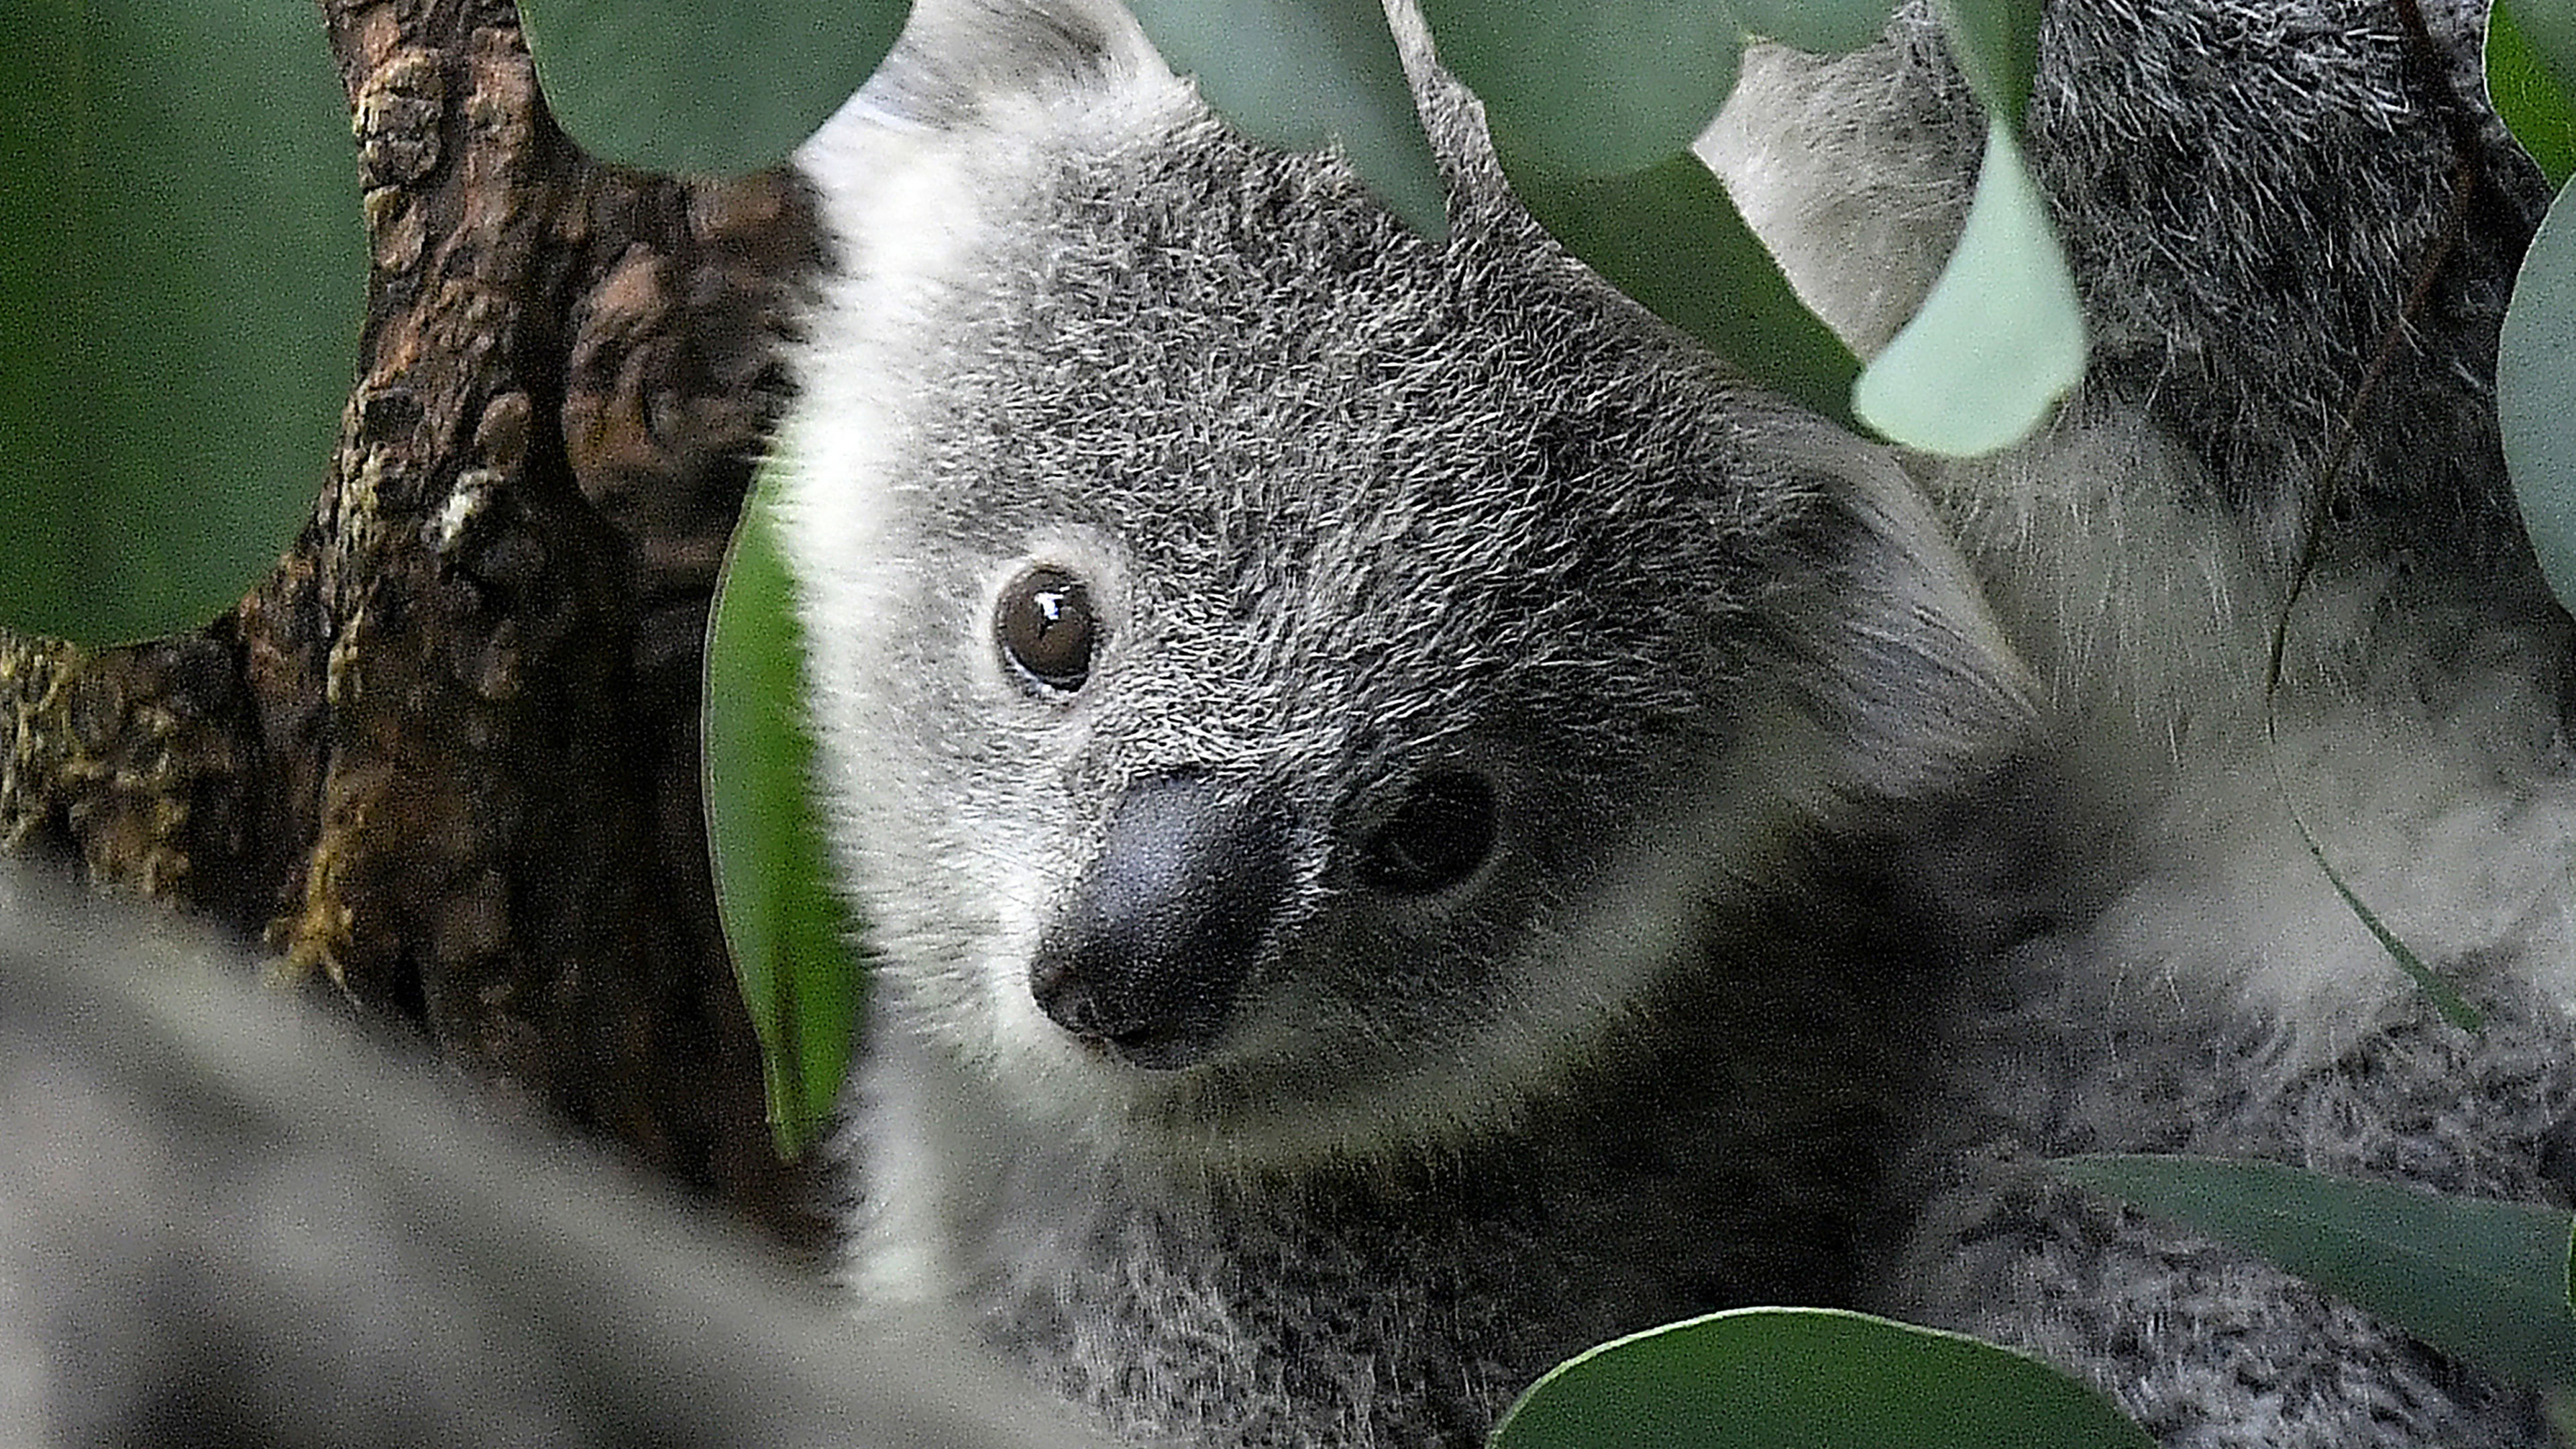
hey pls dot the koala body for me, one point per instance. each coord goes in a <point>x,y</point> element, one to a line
<point>2187,980</point>
<point>1409,823</point>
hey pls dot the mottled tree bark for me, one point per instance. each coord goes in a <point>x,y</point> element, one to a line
<point>443,763</point>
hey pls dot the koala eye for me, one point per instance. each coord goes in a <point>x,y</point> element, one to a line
<point>1436,838</point>
<point>1046,628</point>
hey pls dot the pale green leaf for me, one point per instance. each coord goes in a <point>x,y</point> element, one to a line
<point>2001,337</point>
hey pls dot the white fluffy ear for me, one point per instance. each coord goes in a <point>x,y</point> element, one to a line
<point>957,57</point>
<point>1904,662</point>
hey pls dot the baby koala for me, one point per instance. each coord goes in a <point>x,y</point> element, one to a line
<point>1408,822</point>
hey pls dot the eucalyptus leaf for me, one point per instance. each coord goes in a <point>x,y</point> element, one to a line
<point>687,88</point>
<point>2446,998</point>
<point>785,927</point>
<point>1997,46</point>
<point>2001,337</point>
<point>2484,1281</point>
<point>2548,29</point>
<point>1824,27</point>
<point>2531,96</point>
<point>1671,238</point>
<point>1297,74</point>
<point>2535,387</point>
<point>1762,1378</point>
<point>1584,89</point>
<point>182,270</point>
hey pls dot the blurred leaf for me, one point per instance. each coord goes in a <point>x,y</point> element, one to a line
<point>182,268</point>
<point>783,924</point>
<point>2001,337</point>
<point>686,88</point>
<point>1824,27</point>
<point>1296,74</point>
<point>1589,89</point>
<point>2531,96</point>
<point>1670,237</point>
<point>2536,396</point>
<point>2483,1281</point>
<point>1997,46</point>
<point>1764,1378</point>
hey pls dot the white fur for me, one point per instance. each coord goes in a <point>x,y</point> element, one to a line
<point>2150,627</point>
<point>1858,202</point>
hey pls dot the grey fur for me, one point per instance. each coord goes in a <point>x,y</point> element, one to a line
<point>1801,937</point>
<point>1838,871</point>
<point>1355,509</point>
<point>227,1223</point>
<point>2247,192</point>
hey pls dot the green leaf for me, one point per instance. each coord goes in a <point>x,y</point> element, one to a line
<point>2535,385</point>
<point>2001,337</point>
<point>1764,1378</point>
<point>2548,28</point>
<point>1997,46</point>
<point>685,88</point>
<point>1297,74</point>
<point>2483,1281</point>
<point>182,269</point>
<point>2531,96</point>
<point>1671,238</point>
<point>785,927</point>
<point>1823,27</point>
<point>2445,997</point>
<point>1586,89</point>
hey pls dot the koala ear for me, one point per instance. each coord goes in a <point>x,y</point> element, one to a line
<point>1898,654</point>
<point>956,58</point>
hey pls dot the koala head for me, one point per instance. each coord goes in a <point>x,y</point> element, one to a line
<point>1287,687</point>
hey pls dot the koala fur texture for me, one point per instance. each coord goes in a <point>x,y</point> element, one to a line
<point>226,1223</point>
<point>1409,822</point>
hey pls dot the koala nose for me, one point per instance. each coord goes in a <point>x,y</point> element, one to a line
<point>1147,954</point>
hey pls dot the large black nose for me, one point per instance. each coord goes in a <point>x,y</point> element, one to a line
<point>1148,952</point>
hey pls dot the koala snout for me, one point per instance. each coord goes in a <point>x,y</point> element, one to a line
<point>1147,954</point>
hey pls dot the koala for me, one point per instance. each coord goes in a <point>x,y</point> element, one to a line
<point>226,1221</point>
<point>1408,821</point>
<point>2293,227</point>
<point>1358,757</point>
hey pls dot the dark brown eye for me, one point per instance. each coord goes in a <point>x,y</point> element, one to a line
<point>1438,835</point>
<point>1046,628</point>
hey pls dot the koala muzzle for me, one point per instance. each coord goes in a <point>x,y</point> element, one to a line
<point>1147,954</point>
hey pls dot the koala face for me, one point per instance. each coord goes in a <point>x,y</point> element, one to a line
<point>1287,684</point>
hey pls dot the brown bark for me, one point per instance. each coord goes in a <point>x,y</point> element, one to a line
<point>445,758</point>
